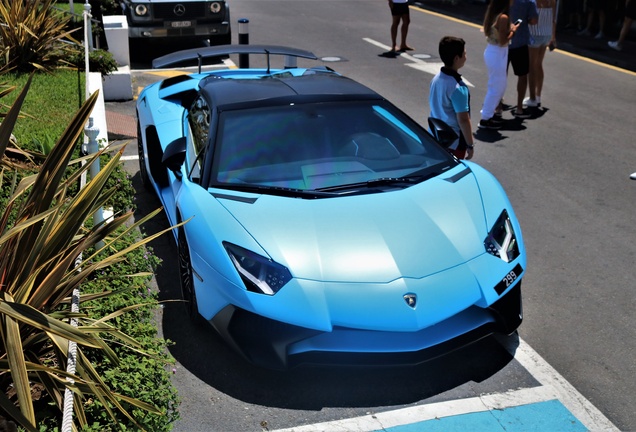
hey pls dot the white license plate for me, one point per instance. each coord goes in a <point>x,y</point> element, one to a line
<point>181,24</point>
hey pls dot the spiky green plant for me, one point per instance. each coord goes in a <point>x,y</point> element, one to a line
<point>31,34</point>
<point>38,273</point>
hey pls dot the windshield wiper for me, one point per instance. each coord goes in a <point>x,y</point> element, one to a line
<point>393,180</point>
<point>274,190</point>
<point>382,181</point>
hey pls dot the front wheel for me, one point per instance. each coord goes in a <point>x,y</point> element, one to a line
<point>186,275</point>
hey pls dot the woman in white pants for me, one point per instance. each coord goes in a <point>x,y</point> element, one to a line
<point>498,31</point>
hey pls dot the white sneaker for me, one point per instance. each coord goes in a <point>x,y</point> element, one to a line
<point>633,176</point>
<point>615,45</point>
<point>532,103</point>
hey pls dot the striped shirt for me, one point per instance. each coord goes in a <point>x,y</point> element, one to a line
<point>544,26</point>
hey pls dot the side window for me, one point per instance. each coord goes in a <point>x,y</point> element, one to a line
<point>198,132</point>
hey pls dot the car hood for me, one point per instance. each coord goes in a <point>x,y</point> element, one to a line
<point>379,237</point>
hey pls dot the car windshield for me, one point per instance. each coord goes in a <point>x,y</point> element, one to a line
<point>323,146</point>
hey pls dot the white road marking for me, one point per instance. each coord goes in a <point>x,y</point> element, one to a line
<point>553,387</point>
<point>129,158</point>
<point>416,63</point>
<point>420,413</point>
<point>569,396</point>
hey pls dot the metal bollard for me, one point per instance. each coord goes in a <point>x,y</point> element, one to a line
<point>92,132</point>
<point>88,32</point>
<point>244,39</point>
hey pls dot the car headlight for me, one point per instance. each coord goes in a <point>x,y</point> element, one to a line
<point>502,241</point>
<point>215,7</point>
<point>141,10</point>
<point>259,274</point>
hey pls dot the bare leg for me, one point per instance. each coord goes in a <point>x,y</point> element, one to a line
<point>627,24</point>
<point>532,75</point>
<point>601,21</point>
<point>590,20</point>
<point>539,72</point>
<point>406,20</point>
<point>394,29</point>
<point>522,86</point>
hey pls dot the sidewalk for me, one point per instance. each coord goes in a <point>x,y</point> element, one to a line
<point>567,40</point>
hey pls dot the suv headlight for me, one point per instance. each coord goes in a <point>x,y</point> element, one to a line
<point>502,241</point>
<point>259,274</point>
<point>215,7</point>
<point>141,10</point>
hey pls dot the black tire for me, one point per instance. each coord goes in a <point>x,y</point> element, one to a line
<point>186,277</point>
<point>143,171</point>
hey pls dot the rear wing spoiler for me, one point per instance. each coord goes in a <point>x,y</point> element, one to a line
<point>223,50</point>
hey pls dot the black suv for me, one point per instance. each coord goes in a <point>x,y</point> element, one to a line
<point>192,19</point>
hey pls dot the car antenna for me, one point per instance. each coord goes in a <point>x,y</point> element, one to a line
<point>267,52</point>
<point>200,61</point>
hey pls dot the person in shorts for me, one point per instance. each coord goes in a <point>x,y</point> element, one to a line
<point>542,36</point>
<point>400,12</point>
<point>518,52</point>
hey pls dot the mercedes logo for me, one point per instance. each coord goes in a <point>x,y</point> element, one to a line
<point>179,9</point>
<point>411,300</point>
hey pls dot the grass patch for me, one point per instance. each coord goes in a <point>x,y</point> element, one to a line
<point>49,106</point>
<point>78,7</point>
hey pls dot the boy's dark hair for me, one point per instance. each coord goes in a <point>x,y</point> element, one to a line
<point>449,47</point>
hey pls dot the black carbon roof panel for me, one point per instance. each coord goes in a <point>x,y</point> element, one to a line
<point>226,92</point>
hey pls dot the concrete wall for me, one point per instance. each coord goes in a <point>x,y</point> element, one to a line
<point>99,111</point>
<point>118,85</point>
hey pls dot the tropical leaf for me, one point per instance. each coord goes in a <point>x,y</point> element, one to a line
<point>31,35</point>
<point>10,332</point>
<point>7,125</point>
<point>39,271</point>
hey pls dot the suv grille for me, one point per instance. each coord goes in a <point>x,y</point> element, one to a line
<point>193,11</point>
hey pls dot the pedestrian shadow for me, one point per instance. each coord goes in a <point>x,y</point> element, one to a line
<point>536,113</point>
<point>494,136</point>
<point>513,125</point>
<point>389,54</point>
<point>489,135</point>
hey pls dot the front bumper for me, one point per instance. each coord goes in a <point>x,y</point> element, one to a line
<point>276,345</point>
<point>211,30</point>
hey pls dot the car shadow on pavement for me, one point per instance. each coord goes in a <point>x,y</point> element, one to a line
<point>201,352</point>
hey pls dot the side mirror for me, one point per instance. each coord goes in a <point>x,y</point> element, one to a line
<point>174,156</point>
<point>443,133</point>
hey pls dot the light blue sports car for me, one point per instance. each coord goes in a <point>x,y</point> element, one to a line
<point>324,226</point>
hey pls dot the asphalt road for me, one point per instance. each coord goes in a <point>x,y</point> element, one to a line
<point>567,174</point>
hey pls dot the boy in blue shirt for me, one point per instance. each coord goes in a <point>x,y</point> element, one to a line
<point>449,97</point>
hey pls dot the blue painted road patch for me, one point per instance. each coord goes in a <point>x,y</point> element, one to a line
<point>540,417</point>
